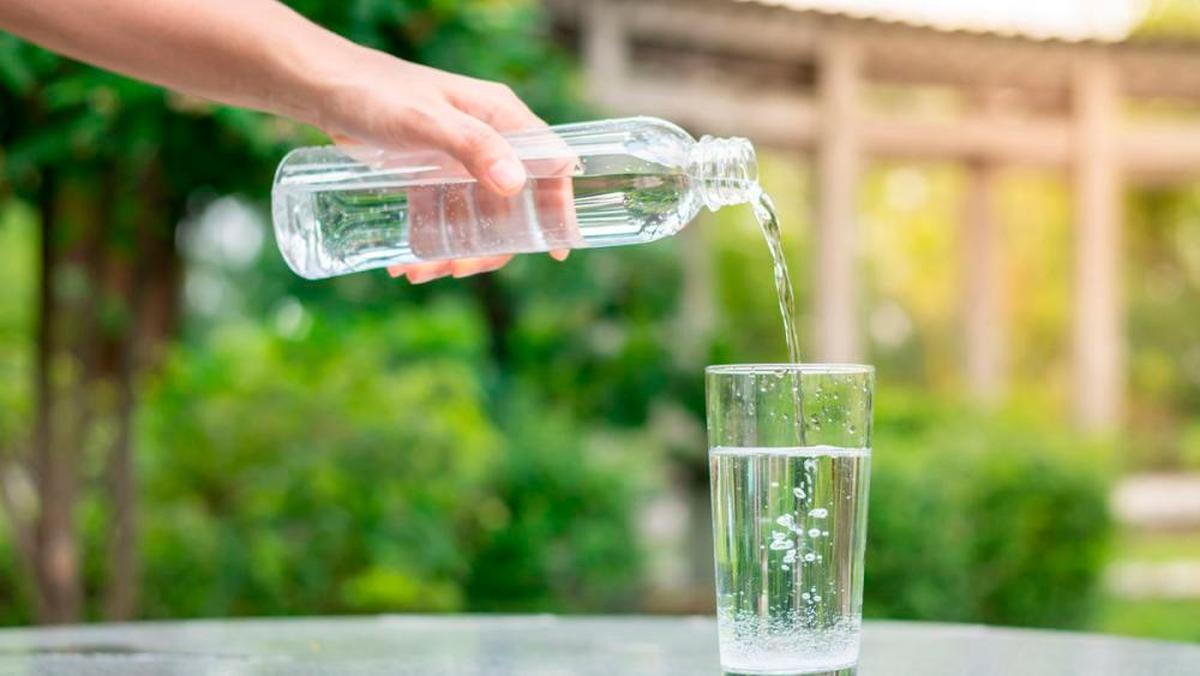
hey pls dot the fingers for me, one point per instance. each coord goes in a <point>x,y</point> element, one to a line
<point>465,119</point>
<point>465,267</point>
<point>480,148</point>
<point>419,273</point>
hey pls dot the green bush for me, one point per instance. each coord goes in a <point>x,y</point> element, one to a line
<point>997,519</point>
<point>326,474</point>
<point>362,468</point>
<point>566,539</point>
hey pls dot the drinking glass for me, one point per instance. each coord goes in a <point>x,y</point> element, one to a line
<point>789,461</point>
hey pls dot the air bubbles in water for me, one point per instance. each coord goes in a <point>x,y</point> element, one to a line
<point>780,541</point>
<point>818,513</point>
<point>814,532</point>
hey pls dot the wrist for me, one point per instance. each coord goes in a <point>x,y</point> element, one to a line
<point>317,73</point>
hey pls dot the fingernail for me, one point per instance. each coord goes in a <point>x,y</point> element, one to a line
<point>560,255</point>
<point>419,277</point>
<point>397,271</point>
<point>508,174</point>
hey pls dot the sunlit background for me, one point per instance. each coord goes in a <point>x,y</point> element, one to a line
<point>189,430</point>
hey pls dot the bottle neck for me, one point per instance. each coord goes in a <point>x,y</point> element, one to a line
<point>725,170</point>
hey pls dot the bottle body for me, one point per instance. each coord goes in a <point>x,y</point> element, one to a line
<point>590,184</point>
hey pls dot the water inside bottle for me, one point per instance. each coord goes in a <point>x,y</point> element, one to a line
<point>359,227</point>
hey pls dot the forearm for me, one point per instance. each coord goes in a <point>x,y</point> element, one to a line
<point>251,53</point>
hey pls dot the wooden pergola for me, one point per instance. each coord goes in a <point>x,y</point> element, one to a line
<point>804,79</point>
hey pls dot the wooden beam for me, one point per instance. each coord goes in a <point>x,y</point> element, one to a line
<point>1024,142</point>
<point>1098,340</point>
<point>837,173</point>
<point>785,119</point>
<point>721,26</point>
<point>771,118</point>
<point>901,54</point>
<point>1160,149</point>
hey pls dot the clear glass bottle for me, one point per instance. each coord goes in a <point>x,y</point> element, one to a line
<point>591,184</point>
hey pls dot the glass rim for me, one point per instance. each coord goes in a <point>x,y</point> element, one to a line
<point>803,369</point>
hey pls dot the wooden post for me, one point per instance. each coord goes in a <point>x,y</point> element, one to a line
<point>1098,340</point>
<point>605,52</point>
<point>837,165</point>
<point>983,306</point>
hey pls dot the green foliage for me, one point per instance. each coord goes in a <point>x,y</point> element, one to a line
<point>997,519</point>
<point>1164,242</point>
<point>1166,619</point>
<point>333,465</point>
<point>565,538</point>
<point>358,470</point>
<point>1190,453</point>
<point>358,445</point>
<point>596,331</point>
<point>333,473</point>
<point>18,248</point>
<point>1170,19</point>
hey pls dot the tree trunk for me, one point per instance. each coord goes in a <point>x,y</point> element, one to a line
<point>497,312</point>
<point>121,592</point>
<point>59,593</point>
<point>40,452</point>
<point>150,284</point>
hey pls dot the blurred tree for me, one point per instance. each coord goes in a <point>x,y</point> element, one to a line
<point>109,165</point>
<point>1163,245</point>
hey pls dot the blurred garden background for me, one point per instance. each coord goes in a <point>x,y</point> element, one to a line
<point>187,429</point>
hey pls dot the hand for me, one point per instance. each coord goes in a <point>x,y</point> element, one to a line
<point>389,103</point>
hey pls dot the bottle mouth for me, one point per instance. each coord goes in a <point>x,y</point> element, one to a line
<point>727,170</point>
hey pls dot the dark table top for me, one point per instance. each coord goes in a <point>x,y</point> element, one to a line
<point>542,645</point>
